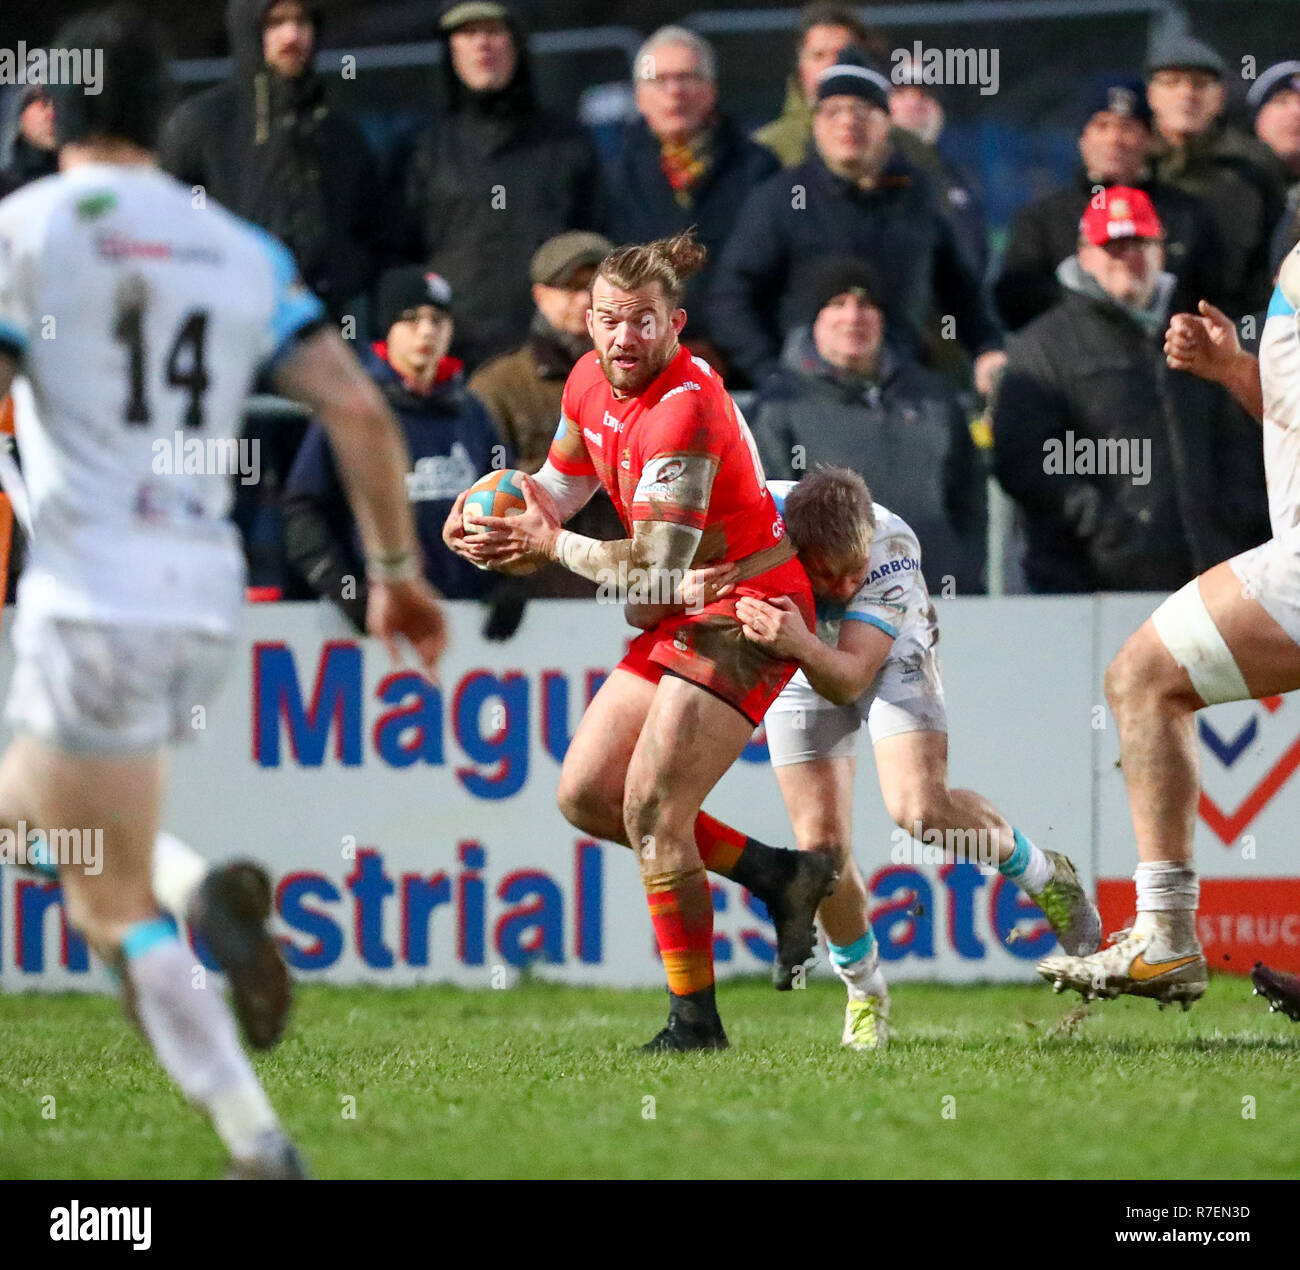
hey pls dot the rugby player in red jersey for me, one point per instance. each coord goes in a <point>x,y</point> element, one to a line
<point>657,429</point>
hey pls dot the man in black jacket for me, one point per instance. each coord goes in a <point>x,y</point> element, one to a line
<point>32,153</point>
<point>855,196</point>
<point>844,399</point>
<point>493,179</point>
<point>682,163</point>
<point>1130,476</point>
<point>267,146</point>
<point>1113,147</point>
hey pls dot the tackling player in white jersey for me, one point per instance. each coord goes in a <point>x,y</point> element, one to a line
<point>1232,634</point>
<point>873,659</point>
<point>133,316</point>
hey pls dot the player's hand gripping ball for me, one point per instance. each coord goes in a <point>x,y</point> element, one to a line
<point>498,494</point>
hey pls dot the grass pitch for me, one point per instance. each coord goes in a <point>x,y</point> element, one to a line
<point>541,1082</point>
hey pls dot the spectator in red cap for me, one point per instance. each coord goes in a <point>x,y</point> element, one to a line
<point>1129,476</point>
<point>1115,139</point>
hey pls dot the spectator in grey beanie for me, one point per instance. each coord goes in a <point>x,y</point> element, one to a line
<point>1275,99</point>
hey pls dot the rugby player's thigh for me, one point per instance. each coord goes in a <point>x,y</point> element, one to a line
<point>689,740</point>
<point>597,758</point>
<point>1254,601</point>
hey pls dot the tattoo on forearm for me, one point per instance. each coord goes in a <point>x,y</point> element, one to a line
<point>658,556</point>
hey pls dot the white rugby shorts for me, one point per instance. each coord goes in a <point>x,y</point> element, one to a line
<point>906,696</point>
<point>90,687</point>
<point>1270,574</point>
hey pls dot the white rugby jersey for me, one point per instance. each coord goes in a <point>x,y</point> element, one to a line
<point>139,322</point>
<point>893,596</point>
<point>1279,375</point>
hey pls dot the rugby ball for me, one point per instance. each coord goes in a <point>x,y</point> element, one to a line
<point>499,493</point>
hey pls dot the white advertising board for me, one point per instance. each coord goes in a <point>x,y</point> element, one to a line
<point>413,834</point>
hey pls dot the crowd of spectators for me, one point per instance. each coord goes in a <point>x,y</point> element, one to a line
<point>850,298</point>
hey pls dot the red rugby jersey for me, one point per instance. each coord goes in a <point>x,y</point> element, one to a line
<point>634,445</point>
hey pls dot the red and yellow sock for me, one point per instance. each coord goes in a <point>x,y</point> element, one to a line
<point>681,909</point>
<point>720,845</point>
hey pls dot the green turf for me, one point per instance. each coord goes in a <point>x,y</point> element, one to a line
<point>540,1081</point>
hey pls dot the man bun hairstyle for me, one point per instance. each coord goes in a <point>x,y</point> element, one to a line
<point>830,514</point>
<point>135,88</point>
<point>668,261</point>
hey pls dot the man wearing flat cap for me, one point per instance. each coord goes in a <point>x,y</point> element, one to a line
<point>1237,176</point>
<point>1115,139</point>
<point>521,389</point>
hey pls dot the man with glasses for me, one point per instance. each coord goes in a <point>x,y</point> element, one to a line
<point>682,162</point>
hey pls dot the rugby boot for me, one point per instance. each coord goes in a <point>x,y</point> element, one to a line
<point>693,1024</point>
<point>1137,964</point>
<point>792,906</point>
<point>230,910</point>
<point>276,1160</point>
<point>1280,990</point>
<point>1069,910</point>
<point>866,1023</point>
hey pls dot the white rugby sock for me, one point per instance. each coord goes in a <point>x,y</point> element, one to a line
<point>864,979</point>
<point>858,966</point>
<point>1167,895</point>
<point>1027,865</point>
<point>192,1033</point>
<point>177,872</point>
